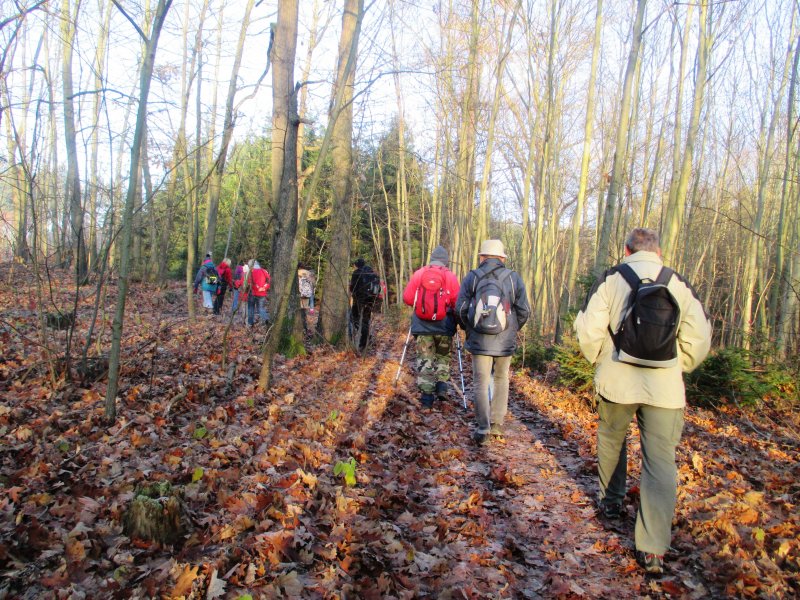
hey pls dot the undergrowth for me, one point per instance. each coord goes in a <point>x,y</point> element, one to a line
<point>738,376</point>
<point>728,375</point>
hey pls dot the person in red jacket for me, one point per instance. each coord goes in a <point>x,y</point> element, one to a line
<point>432,291</point>
<point>225,282</point>
<point>259,282</point>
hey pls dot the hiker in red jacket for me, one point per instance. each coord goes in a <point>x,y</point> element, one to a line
<point>259,282</point>
<point>432,291</point>
<point>225,282</point>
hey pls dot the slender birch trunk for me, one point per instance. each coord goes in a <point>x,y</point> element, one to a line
<point>583,181</point>
<point>611,208</point>
<point>218,169</point>
<point>145,76</point>
<point>69,16</point>
<point>676,208</point>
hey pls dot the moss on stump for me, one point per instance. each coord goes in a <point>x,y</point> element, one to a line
<point>156,514</point>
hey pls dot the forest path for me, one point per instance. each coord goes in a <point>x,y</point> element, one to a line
<point>426,513</point>
<point>514,518</point>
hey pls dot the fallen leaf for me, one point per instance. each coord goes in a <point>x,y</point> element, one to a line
<point>185,581</point>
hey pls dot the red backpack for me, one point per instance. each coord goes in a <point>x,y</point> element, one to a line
<point>259,279</point>
<point>433,297</point>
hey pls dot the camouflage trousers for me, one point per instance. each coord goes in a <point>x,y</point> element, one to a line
<point>433,361</point>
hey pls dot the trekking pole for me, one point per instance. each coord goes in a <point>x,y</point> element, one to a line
<point>405,346</point>
<point>461,369</point>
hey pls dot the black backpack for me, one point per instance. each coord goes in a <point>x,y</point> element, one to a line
<point>647,334</point>
<point>369,287</point>
<point>211,276</point>
<point>489,306</point>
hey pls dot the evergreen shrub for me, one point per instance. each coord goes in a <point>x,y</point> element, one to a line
<point>574,371</point>
<point>739,376</point>
<point>534,354</point>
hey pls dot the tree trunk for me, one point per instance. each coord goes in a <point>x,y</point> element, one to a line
<point>784,234</point>
<point>465,166</point>
<point>766,140</point>
<point>284,180</point>
<point>610,211</point>
<point>99,66</point>
<point>73,184</point>
<point>484,206</point>
<point>677,201</point>
<point>215,183</point>
<point>583,181</point>
<point>333,314</point>
<point>145,76</point>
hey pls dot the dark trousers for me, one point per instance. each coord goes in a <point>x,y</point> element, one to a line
<point>360,314</point>
<point>219,298</point>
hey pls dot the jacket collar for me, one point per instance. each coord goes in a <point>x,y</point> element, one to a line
<point>643,256</point>
<point>490,263</point>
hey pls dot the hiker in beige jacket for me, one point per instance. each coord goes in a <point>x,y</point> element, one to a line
<point>655,395</point>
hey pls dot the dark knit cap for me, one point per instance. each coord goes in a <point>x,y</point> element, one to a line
<point>440,257</point>
<point>359,263</point>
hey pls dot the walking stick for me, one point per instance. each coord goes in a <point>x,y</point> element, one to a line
<point>405,346</point>
<point>461,370</point>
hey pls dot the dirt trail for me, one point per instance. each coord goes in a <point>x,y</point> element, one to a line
<point>514,518</point>
<point>427,513</point>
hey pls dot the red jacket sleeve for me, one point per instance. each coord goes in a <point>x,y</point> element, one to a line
<point>453,287</point>
<point>411,288</point>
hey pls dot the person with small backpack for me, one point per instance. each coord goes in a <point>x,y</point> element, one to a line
<point>365,290</point>
<point>492,306</point>
<point>258,285</point>
<point>643,326</point>
<point>225,282</point>
<point>207,279</point>
<point>432,292</point>
<point>305,286</point>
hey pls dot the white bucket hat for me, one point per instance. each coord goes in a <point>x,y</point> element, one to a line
<point>492,248</point>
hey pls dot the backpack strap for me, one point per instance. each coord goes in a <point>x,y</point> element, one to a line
<point>633,281</point>
<point>629,275</point>
<point>664,276</point>
<point>481,276</point>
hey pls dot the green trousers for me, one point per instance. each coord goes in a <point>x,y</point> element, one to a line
<point>660,431</point>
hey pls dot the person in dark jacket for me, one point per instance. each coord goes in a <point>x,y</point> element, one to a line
<point>225,282</point>
<point>491,353</point>
<point>433,338</point>
<point>362,305</point>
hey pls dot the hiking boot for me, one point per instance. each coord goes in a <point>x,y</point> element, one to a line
<point>427,400</point>
<point>653,564</point>
<point>441,390</point>
<point>496,430</point>
<point>611,510</point>
<point>479,438</point>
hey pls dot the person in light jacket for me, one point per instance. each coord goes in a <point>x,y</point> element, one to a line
<point>656,396</point>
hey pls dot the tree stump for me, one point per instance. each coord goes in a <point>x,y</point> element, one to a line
<point>155,513</point>
<point>92,369</point>
<point>60,321</point>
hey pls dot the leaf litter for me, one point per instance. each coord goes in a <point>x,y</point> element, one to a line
<point>430,514</point>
